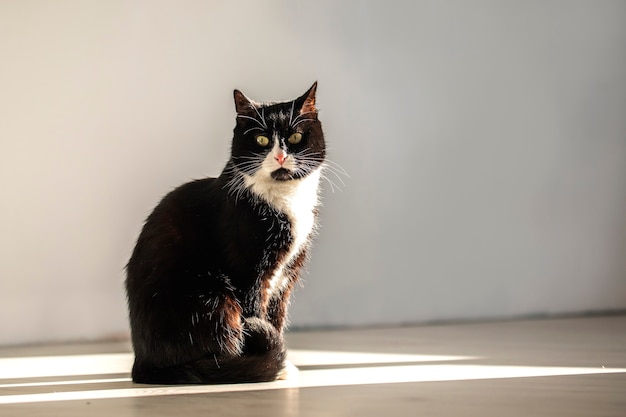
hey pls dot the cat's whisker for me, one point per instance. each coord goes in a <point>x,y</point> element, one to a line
<point>296,123</point>
<point>328,167</point>
<point>254,119</point>
<point>262,116</point>
<point>336,168</point>
<point>293,103</point>
<point>236,185</point>
<point>253,128</point>
<point>299,118</point>
<point>333,184</point>
<point>251,158</point>
<point>261,119</point>
<point>248,167</point>
<point>335,173</point>
<point>330,182</point>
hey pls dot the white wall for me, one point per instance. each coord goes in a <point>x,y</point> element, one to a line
<point>485,142</point>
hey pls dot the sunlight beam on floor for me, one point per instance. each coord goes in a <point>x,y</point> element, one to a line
<point>357,369</point>
<point>121,363</point>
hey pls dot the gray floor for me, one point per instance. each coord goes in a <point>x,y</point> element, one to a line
<point>559,367</point>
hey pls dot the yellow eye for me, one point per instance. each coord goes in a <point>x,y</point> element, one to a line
<point>262,140</point>
<point>295,138</point>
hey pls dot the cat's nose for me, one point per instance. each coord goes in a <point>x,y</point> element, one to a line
<point>280,157</point>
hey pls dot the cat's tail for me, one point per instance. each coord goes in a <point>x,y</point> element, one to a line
<point>262,360</point>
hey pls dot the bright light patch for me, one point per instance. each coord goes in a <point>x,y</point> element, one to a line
<point>121,363</point>
<point>74,365</point>
<point>326,358</point>
<point>358,373</point>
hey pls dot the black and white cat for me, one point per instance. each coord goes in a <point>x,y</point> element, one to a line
<point>210,277</point>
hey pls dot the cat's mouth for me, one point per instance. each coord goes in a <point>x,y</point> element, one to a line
<point>282,174</point>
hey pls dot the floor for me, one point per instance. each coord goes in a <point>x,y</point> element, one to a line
<point>557,367</point>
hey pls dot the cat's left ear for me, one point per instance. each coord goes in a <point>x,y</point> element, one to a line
<point>243,105</point>
<point>307,101</point>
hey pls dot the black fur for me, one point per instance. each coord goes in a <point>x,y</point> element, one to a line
<point>198,278</point>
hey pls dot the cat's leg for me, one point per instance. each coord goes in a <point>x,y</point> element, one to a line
<point>278,306</point>
<point>260,337</point>
<point>223,324</point>
<point>215,317</point>
<point>277,316</point>
<point>181,330</point>
<point>277,312</point>
<point>278,303</point>
<point>189,328</point>
<point>263,339</point>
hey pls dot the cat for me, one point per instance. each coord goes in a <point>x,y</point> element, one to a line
<point>209,280</point>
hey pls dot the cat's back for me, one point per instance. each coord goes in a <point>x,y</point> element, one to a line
<point>177,223</point>
<point>198,194</point>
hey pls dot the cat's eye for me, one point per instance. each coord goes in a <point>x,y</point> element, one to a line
<point>295,138</point>
<point>262,140</point>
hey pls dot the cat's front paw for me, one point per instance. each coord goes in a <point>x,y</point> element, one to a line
<point>289,372</point>
<point>261,337</point>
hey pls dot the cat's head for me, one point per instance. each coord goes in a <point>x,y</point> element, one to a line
<point>278,141</point>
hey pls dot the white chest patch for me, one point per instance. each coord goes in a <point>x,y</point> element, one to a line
<point>297,199</point>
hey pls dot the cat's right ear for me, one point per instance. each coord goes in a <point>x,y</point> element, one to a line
<point>243,105</point>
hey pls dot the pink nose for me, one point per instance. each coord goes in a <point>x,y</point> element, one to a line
<point>281,157</point>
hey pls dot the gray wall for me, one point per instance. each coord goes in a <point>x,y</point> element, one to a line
<point>485,142</point>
